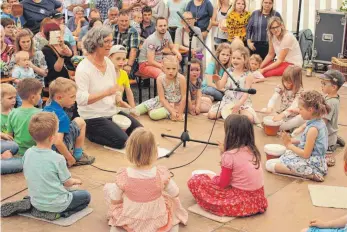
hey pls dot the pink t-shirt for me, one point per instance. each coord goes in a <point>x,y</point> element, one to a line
<point>244,175</point>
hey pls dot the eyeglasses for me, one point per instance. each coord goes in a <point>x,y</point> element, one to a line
<point>274,28</point>
<point>108,42</point>
<point>189,19</point>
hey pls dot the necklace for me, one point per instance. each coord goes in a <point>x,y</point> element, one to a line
<point>97,64</point>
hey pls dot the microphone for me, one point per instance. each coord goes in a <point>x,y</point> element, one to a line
<point>249,91</point>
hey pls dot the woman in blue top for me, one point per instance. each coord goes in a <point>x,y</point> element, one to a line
<point>223,53</point>
<point>174,19</point>
<point>257,39</point>
<point>202,11</point>
<point>306,158</point>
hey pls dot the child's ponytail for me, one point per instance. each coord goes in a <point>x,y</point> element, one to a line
<point>315,100</point>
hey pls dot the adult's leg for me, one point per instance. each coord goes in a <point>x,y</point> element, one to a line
<point>148,70</point>
<point>105,132</point>
<point>80,200</point>
<point>216,94</point>
<point>134,123</point>
<point>12,165</point>
<point>278,71</point>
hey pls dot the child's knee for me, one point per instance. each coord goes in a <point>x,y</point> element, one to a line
<point>212,115</point>
<point>80,122</point>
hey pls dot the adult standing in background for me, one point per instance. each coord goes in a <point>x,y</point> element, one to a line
<point>34,11</point>
<point>257,36</point>
<point>219,20</point>
<point>202,11</point>
<point>97,90</point>
<point>237,21</point>
<point>284,46</point>
<point>174,21</point>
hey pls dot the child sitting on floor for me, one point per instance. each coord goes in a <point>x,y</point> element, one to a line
<point>254,65</point>
<point>29,91</point>
<point>171,98</point>
<point>70,138</point>
<point>307,158</point>
<point>197,103</point>
<point>118,57</point>
<point>144,197</point>
<point>289,94</point>
<point>209,88</point>
<point>337,225</point>
<point>239,189</point>
<point>9,148</point>
<point>47,175</point>
<point>22,70</point>
<point>332,81</point>
<point>242,102</point>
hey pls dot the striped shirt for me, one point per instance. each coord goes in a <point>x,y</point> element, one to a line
<point>257,24</point>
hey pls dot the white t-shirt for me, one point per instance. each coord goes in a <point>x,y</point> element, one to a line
<point>294,55</point>
<point>90,80</point>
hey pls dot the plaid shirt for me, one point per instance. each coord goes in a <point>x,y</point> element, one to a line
<point>129,39</point>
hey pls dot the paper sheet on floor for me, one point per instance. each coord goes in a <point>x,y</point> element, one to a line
<point>328,196</point>
<point>198,210</point>
<point>161,151</point>
<point>63,221</point>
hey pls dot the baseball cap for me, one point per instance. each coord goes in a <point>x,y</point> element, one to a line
<point>336,77</point>
<point>117,49</point>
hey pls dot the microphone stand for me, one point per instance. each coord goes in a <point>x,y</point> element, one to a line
<point>185,134</point>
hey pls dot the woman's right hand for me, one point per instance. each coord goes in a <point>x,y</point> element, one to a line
<point>251,45</point>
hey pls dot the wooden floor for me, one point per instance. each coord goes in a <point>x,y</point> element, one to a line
<point>290,206</point>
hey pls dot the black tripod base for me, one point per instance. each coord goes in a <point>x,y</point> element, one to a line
<point>184,139</point>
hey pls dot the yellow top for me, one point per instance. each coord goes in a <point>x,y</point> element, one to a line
<point>123,79</point>
<point>237,24</point>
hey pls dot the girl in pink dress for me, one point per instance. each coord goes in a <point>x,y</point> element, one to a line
<point>143,198</point>
<point>239,189</point>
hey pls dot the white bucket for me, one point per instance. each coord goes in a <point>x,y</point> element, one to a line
<point>274,151</point>
<point>123,122</point>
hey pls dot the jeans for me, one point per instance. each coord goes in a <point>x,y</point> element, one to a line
<point>12,165</point>
<point>80,200</point>
<point>216,94</point>
<point>105,132</point>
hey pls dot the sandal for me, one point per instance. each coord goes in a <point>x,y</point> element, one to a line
<point>330,160</point>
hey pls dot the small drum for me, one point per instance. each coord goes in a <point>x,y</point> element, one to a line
<point>274,151</point>
<point>227,110</point>
<point>123,122</point>
<point>199,172</point>
<point>271,127</point>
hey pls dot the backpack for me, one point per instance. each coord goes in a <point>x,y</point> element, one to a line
<point>306,43</point>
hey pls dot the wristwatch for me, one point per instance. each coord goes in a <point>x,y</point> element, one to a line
<point>208,30</point>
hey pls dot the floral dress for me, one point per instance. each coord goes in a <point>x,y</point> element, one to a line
<point>38,60</point>
<point>146,207</point>
<point>172,93</point>
<point>316,163</point>
<point>231,96</point>
<point>5,59</point>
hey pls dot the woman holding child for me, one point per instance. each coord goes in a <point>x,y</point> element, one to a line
<point>284,46</point>
<point>97,91</point>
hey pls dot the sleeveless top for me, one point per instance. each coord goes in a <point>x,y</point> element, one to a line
<point>321,143</point>
<point>220,16</point>
<point>172,90</point>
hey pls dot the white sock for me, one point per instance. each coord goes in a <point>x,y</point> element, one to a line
<point>270,165</point>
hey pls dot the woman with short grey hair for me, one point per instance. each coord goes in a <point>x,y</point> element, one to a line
<point>97,91</point>
<point>76,22</point>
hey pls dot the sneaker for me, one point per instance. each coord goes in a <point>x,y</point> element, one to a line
<point>44,215</point>
<point>85,160</point>
<point>331,149</point>
<point>340,141</point>
<point>12,208</point>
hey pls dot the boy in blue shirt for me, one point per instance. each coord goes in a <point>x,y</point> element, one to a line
<point>47,176</point>
<point>71,135</point>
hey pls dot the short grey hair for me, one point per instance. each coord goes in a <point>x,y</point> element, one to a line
<point>112,9</point>
<point>95,38</point>
<point>77,9</point>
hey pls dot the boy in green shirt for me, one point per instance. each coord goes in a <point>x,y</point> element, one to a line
<point>29,90</point>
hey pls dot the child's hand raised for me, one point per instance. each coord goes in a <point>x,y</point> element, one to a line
<point>215,77</point>
<point>286,139</point>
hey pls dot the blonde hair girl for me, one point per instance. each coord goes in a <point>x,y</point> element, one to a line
<point>145,189</point>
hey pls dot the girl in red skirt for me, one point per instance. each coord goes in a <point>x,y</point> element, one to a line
<point>239,189</point>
